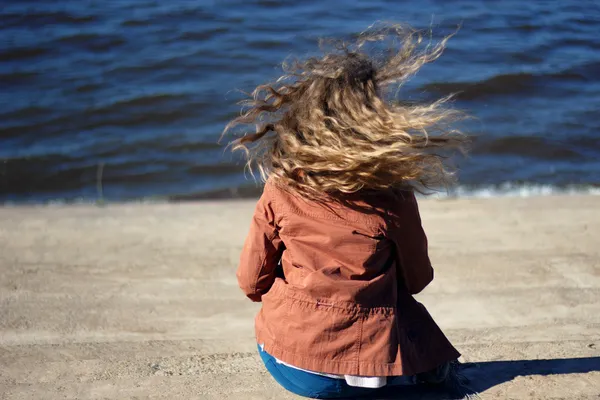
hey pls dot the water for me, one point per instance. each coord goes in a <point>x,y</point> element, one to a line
<point>136,92</point>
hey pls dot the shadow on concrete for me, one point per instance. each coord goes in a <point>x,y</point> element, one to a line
<point>484,375</point>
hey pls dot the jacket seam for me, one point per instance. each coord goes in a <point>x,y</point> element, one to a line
<point>265,253</point>
<point>257,275</point>
<point>345,221</point>
<point>359,346</point>
<point>275,343</point>
<point>364,312</point>
<point>352,307</point>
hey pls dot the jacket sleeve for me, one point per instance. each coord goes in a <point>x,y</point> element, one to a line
<point>261,252</point>
<point>414,266</point>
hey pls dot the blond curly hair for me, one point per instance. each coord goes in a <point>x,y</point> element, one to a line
<point>326,128</point>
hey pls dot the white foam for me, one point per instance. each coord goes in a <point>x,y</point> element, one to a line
<point>510,189</point>
<point>507,189</point>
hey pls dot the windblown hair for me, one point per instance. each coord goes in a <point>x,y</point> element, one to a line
<point>325,127</point>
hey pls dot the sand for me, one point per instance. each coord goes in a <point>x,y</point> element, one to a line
<point>140,301</point>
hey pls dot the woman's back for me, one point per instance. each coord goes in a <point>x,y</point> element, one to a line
<point>340,299</point>
<point>336,249</point>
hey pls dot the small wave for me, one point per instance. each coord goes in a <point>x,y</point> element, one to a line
<point>215,170</point>
<point>94,119</point>
<point>87,88</point>
<point>174,67</point>
<point>528,28</point>
<point>201,35</point>
<point>239,192</point>
<point>92,41</point>
<point>13,131</point>
<point>274,4</point>
<point>589,22</point>
<point>26,112</point>
<point>528,146</point>
<point>267,44</point>
<point>55,173</point>
<point>574,42</point>
<point>513,83</point>
<point>35,19</point>
<point>137,111</point>
<point>22,53</point>
<point>498,85</point>
<point>26,177</point>
<point>145,101</point>
<point>136,22</point>
<point>134,178</point>
<point>191,146</point>
<point>59,172</point>
<point>178,148</point>
<point>17,78</point>
<point>175,15</point>
<point>139,120</point>
<point>178,63</point>
<point>587,72</point>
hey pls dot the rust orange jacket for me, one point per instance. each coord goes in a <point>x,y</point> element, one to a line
<point>336,284</point>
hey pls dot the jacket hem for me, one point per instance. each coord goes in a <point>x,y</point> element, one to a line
<point>358,368</point>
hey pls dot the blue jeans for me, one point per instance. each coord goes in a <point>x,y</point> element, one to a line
<point>311,385</point>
